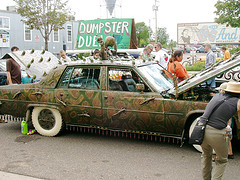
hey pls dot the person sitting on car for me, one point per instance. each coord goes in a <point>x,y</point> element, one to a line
<point>175,67</point>
<point>96,54</point>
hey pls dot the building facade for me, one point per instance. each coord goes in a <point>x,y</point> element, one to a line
<point>13,32</point>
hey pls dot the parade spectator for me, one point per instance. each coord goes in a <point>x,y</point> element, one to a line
<point>221,89</point>
<point>146,54</point>
<point>96,54</point>
<point>216,136</point>
<point>210,60</point>
<point>161,57</point>
<point>64,58</point>
<point>13,70</point>
<point>175,67</point>
<point>227,54</point>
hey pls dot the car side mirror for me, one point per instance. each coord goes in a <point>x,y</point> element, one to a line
<point>140,87</point>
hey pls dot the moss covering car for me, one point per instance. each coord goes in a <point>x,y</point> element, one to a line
<point>130,98</point>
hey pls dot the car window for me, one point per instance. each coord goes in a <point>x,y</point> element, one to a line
<point>80,78</point>
<point>64,81</point>
<point>157,76</point>
<point>85,78</point>
<point>124,80</point>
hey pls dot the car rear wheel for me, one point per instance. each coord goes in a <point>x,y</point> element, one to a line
<point>47,121</point>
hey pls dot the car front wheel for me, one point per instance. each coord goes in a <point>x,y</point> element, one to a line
<point>47,121</point>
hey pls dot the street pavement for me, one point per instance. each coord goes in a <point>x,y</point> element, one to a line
<point>76,155</point>
<point>11,176</point>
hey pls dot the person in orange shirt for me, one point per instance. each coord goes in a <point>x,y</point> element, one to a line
<point>179,70</point>
<point>227,54</point>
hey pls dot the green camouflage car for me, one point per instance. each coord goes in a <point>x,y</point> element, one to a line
<point>124,98</point>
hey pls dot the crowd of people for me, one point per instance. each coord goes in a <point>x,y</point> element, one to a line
<point>173,63</point>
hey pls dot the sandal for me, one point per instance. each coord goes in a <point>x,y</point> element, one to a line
<point>231,156</point>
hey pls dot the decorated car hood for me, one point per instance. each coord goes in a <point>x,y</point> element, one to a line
<point>35,62</point>
<point>206,74</point>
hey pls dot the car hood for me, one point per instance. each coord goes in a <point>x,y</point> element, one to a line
<point>206,74</point>
<point>35,62</point>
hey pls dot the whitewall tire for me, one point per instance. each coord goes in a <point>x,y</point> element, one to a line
<point>47,121</point>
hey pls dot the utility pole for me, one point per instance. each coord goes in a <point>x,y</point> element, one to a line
<point>155,8</point>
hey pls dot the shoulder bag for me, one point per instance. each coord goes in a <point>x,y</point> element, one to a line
<point>197,135</point>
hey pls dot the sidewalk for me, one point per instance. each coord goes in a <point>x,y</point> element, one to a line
<point>11,176</point>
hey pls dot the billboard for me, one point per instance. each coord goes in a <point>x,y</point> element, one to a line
<point>123,30</point>
<point>201,33</point>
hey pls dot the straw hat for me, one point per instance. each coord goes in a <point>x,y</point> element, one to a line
<point>233,87</point>
<point>222,87</point>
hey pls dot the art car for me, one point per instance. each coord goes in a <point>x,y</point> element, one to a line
<point>126,98</point>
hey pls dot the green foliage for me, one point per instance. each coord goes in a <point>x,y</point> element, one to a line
<point>43,15</point>
<point>228,12</point>
<point>233,51</point>
<point>198,66</point>
<point>162,36</point>
<point>143,33</point>
<point>171,44</point>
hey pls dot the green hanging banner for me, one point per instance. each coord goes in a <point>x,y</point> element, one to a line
<point>122,29</point>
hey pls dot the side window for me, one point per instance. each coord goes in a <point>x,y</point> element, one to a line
<point>124,80</point>
<point>27,33</point>
<point>69,33</point>
<point>85,78</point>
<point>64,81</point>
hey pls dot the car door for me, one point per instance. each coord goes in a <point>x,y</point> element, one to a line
<point>127,109</point>
<point>79,95</point>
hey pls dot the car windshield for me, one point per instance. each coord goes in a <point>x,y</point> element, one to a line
<point>157,77</point>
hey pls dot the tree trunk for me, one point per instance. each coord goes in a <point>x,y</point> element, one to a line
<point>46,43</point>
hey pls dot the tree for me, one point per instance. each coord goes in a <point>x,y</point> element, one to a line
<point>143,33</point>
<point>43,15</point>
<point>172,44</point>
<point>162,36</point>
<point>228,12</point>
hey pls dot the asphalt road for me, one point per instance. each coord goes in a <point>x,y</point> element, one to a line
<point>75,155</point>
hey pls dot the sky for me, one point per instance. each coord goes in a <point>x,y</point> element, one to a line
<point>169,14</point>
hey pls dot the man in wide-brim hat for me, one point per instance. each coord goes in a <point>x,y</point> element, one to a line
<point>219,110</point>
